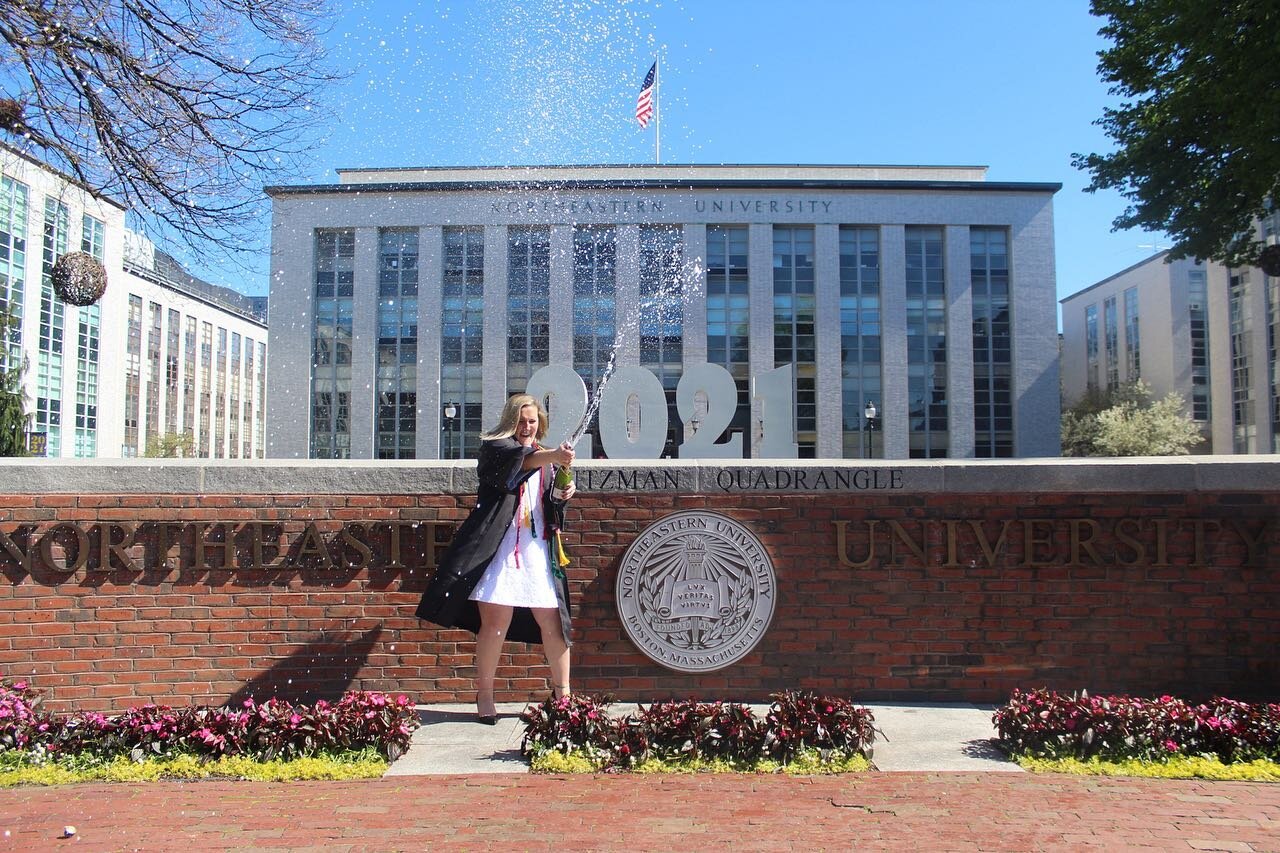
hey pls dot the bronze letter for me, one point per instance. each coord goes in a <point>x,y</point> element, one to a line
<point>1077,542</point>
<point>988,550</point>
<point>255,544</point>
<point>917,548</point>
<point>842,547</point>
<point>107,549</point>
<point>9,545</point>
<point>1139,550</point>
<point>82,547</point>
<point>228,545</point>
<point>358,544</point>
<point>313,544</point>
<point>1030,541</point>
<point>1255,544</point>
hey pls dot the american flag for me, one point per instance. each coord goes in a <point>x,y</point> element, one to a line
<point>644,103</point>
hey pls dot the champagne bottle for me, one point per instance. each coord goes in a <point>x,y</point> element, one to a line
<point>563,479</point>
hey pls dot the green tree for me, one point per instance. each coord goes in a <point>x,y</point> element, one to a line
<point>1196,133</point>
<point>171,444</point>
<point>1128,422</point>
<point>14,420</point>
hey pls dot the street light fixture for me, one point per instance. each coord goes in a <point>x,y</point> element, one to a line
<point>450,412</point>
<point>870,414</point>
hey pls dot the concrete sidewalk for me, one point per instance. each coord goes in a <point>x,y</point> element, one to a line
<point>915,737</point>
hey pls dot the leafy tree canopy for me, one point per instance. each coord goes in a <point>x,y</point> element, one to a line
<point>1127,422</point>
<point>1198,131</point>
<point>179,110</point>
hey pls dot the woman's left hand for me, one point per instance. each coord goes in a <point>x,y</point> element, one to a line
<point>570,490</point>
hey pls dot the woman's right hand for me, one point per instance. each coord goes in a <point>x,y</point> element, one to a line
<point>565,455</point>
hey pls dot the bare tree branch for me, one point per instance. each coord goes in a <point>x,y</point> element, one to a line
<point>180,110</point>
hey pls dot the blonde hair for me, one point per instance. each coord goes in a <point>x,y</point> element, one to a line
<point>511,415</point>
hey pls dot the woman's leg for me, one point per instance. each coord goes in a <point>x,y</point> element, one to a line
<point>554,647</point>
<point>494,621</point>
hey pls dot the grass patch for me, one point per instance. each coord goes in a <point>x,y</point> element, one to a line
<point>806,763</point>
<point>1175,768</point>
<point>17,770</point>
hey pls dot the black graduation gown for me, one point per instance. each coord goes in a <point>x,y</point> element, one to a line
<point>446,601</point>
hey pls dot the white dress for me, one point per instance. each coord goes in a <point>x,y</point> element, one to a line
<point>524,580</point>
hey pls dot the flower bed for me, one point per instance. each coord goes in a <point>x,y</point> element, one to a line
<point>1043,724</point>
<point>360,725</point>
<point>799,729</point>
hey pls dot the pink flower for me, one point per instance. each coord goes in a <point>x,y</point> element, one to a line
<point>294,719</point>
<point>1171,746</point>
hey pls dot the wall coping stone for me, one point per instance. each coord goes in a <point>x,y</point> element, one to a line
<point>1256,473</point>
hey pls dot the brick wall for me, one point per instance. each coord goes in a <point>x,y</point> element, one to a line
<point>1134,592</point>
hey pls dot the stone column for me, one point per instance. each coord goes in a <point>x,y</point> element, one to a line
<point>364,344</point>
<point>760,292</point>
<point>959,274</point>
<point>561,344</point>
<point>626,316</point>
<point>289,341</point>
<point>494,359</point>
<point>892,442</point>
<point>830,386</point>
<point>430,313</point>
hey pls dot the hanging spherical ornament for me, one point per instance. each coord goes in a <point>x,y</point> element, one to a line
<point>79,278</point>
<point>1269,260</point>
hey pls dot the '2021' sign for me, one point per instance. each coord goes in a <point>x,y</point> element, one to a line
<point>634,418</point>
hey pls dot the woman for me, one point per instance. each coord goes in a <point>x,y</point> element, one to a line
<point>501,577</point>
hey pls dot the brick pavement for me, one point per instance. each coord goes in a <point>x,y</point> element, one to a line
<point>891,811</point>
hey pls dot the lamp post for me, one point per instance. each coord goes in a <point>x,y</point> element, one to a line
<point>870,414</point>
<point>450,412</point>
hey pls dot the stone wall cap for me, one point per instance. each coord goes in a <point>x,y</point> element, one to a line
<point>1257,473</point>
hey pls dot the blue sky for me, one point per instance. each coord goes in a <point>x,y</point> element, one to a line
<point>1009,85</point>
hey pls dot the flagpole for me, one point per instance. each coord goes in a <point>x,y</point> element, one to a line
<point>657,110</point>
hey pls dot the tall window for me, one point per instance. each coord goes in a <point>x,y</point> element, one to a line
<point>861,359</point>
<point>92,239</point>
<point>331,345</point>
<point>794,321</point>
<point>1111,329</point>
<point>462,337</point>
<point>250,383</point>
<point>189,378</point>
<point>1198,323</point>
<point>662,316</point>
<point>220,396</point>
<point>729,316</point>
<point>992,343</point>
<point>1273,355</point>
<point>1091,346</point>
<point>153,372</point>
<point>528,304</point>
<point>206,390</point>
<point>1243,417</point>
<point>172,370</point>
<point>926,344</point>
<point>260,428</point>
<point>13,256</point>
<point>48,413</point>
<point>1132,341</point>
<point>397,403</point>
<point>233,419</point>
<point>1271,235</point>
<point>133,376</point>
<point>594,320</point>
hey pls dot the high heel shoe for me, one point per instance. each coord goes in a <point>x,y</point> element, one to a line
<point>486,719</point>
<point>559,691</point>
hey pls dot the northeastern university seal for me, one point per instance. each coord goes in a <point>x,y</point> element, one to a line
<point>696,591</point>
